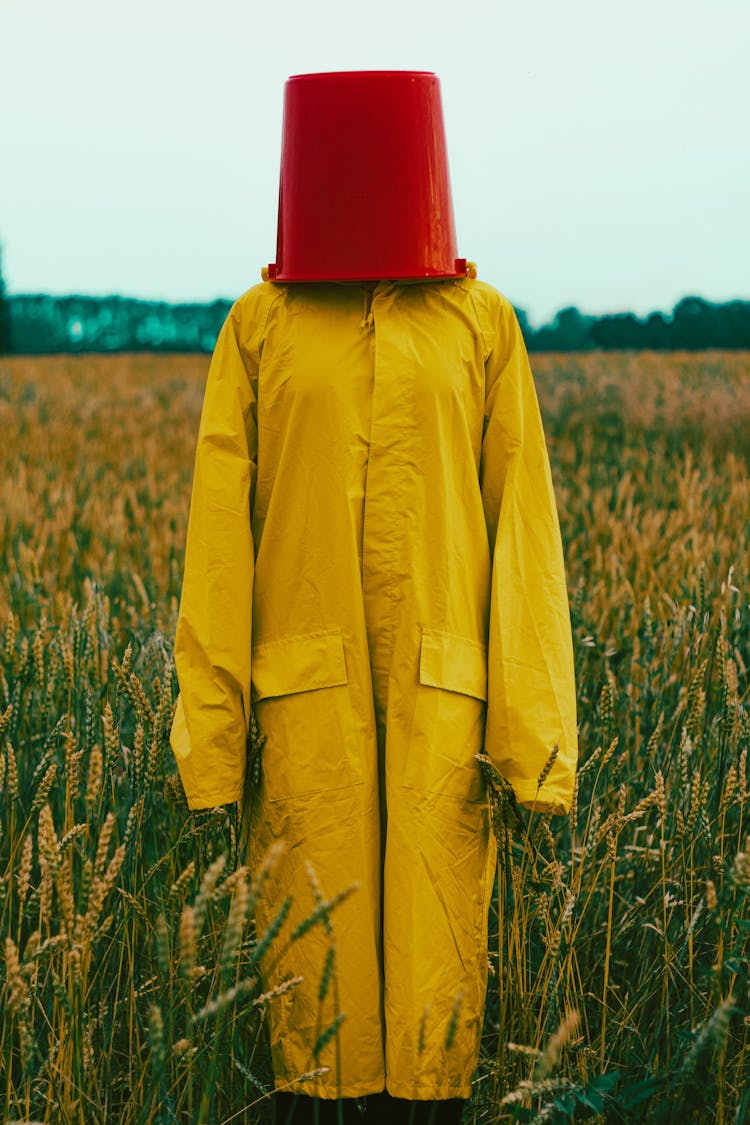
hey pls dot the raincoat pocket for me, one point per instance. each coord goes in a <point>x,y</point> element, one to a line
<point>301,701</point>
<point>449,714</point>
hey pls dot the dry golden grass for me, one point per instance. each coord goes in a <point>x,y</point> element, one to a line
<point>129,968</point>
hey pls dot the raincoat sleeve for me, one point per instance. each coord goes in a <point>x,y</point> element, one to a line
<point>531,699</point>
<point>213,637</point>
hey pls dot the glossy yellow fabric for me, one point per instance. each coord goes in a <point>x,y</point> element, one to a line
<point>374,564</point>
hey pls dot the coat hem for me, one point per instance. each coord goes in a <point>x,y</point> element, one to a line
<point>200,802</point>
<point>530,795</point>
<point>365,1089</point>
<point>428,1092</point>
<point>315,1090</point>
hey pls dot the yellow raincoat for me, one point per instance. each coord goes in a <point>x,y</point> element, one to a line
<point>374,565</point>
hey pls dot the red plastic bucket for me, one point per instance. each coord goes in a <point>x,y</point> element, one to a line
<point>364,189</point>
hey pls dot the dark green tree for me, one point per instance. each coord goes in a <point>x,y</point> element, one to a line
<point>693,323</point>
<point>619,330</point>
<point>571,329</point>
<point>523,323</point>
<point>4,312</point>
<point>656,333</point>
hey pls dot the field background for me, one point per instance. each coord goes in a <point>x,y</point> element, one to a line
<point>129,982</point>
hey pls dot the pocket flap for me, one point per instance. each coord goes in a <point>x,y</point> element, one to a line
<point>298,663</point>
<point>455,663</point>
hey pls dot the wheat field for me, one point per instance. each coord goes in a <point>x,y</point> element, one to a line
<point>620,935</point>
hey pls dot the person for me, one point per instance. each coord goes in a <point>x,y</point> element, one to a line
<point>374,572</point>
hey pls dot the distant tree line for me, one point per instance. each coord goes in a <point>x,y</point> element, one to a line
<point>37,324</point>
<point>40,324</point>
<point>692,324</point>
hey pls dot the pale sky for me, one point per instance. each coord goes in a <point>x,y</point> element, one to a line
<point>599,152</point>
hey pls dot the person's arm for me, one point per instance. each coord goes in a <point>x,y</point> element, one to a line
<point>212,643</point>
<point>531,701</point>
